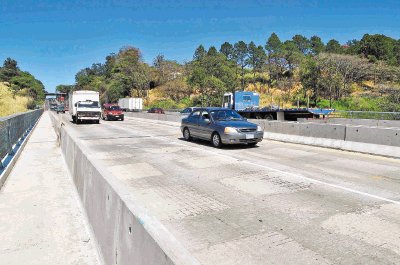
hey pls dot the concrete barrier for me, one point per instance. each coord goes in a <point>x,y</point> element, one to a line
<point>168,116</point>
<point>371,140</point>
<point>125,232</point>
<point>373,135</point>
<point>329,131</point>
<point>363,122</point>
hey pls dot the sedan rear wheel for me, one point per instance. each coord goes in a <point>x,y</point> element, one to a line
<point>216,140</point>
<point>186,134</point>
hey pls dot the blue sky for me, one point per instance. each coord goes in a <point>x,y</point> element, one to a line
<point>55,39</point>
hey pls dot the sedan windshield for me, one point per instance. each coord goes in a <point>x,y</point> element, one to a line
<point>220,115</point>
<point>114,108</point>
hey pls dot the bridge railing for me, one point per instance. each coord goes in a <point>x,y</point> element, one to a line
<point>13,129</point>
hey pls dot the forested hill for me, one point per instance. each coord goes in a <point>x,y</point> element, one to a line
<point>19,90</point>
<point>359,74</point>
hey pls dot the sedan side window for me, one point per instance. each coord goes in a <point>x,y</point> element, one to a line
<point>195,115</point>
<point>205,115</point>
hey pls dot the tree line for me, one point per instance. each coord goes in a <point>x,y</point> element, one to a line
<point>300,68</point>
<point>22,83</point>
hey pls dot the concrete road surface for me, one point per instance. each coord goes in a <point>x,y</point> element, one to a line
<point>273,204</point>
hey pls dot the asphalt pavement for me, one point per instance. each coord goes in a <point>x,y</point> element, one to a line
<point>277,203</point>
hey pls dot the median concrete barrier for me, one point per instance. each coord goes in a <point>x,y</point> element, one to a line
<point>371,140</point>
<point>373,135</point>
<point>362,122</point>
<point>125,232</point>
<point>329,131</point>
<point>168,116</point>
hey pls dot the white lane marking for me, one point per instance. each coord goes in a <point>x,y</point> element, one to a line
<point>366,194</point>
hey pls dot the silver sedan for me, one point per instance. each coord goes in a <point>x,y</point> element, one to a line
<point>220,126</point>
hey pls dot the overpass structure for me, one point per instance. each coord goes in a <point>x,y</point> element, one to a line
<point>151,198</point>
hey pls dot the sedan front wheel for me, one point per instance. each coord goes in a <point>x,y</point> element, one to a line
<point>186,134</point>
<point>216,140</point>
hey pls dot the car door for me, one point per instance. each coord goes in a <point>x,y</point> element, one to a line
<point>205,125</point>
<point>193,123</point>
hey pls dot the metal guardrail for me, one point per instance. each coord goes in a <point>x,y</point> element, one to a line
<point>13,128</point>
<point>365,115</point>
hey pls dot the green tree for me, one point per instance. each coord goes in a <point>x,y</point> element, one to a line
<point>302,43</point>
<point>256,58</point>
<point>353,47</point>
<point>378,47</point>
<point>199,53</point>
<point>241,54</point>
<point>131,72</point>
<point>292,55</point>
<point>316,45</point>
<point>333,46</point>
<point>9,70</point>
<point>211,77</point>
<point>274,54</point>
<point>65,88</point>
<point>227,50</point>
<point>27,85</point>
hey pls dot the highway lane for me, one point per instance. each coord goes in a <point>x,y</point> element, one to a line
<point>276,203</point>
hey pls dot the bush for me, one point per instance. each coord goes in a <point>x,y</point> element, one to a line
<point>165,104</point>
<point>356,104</point>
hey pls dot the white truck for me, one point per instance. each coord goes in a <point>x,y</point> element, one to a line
<point>84,105</point>
<point>131,104</point>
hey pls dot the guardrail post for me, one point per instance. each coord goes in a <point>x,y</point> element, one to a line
<point>11,151</point>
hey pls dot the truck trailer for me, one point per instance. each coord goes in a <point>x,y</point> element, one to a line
<point>131,104</point>
<point>84,105</point>
<point>247,104</point>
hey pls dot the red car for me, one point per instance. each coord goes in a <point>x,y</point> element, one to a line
<point>112,112</point>
<point>156,110</point>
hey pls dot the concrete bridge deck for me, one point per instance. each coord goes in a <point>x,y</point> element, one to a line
<point>277,203</point>
<point>41,219</point>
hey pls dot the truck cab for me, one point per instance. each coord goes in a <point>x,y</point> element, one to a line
<point>84,106</point>
<point>87,111</point>
<point>241,100</point>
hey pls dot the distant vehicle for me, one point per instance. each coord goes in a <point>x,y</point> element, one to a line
<point>84,106</point>
<point>220,126</point>
<point>131,104</point>
<point>60,108</point>
<point>247,104</point>
<point>156,110</point>
<point>53,106</point>
<point>189,110</point>
<point>112,112</point>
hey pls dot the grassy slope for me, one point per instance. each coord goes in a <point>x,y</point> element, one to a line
<point>10,104</point>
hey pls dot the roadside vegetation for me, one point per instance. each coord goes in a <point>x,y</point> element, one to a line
<point>19,90</point>
<point>359,75</point>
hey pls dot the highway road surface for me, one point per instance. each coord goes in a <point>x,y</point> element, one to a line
<point>277,203</point>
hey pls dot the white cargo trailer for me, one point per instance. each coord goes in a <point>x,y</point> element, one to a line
<point>131,104</point>
<point>84,105</point>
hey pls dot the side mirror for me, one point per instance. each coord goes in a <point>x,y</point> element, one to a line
<point>207,121</point>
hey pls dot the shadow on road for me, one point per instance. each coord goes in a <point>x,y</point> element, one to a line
<point>225,147</point>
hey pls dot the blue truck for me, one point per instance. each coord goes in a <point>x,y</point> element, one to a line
<point>247,104</point>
